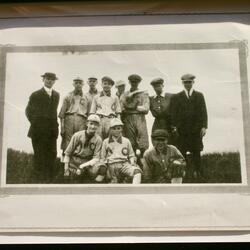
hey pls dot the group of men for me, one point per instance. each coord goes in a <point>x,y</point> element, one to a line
<point>105,136</point>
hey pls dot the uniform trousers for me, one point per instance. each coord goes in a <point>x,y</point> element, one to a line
<point>135,129</point>
<point>103,129</point>
<point>72,124</point>
<point>119,171</point>
<point>88,174</point>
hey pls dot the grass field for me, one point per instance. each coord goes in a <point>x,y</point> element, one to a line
<point>218,168</point>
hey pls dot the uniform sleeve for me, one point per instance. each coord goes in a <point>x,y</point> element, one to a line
<point>72,145</point>
<point>89,105</point>
<point>117,105</point>
<point>151,107</point>
<point>30,110</point>
<point>146,174</point>
<point>64,108</point>
<point>128,102</point>
<point>122,100</point>
<point>103,151</point>
<point>98,148</point>
<point>176,155</point>
<point>131,153</point>
<point>93,106</point>
<point>144,107</point>
<point>203,112</point>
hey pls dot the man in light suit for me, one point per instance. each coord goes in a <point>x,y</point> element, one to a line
<point>189,121</point>
<point>41,112</point>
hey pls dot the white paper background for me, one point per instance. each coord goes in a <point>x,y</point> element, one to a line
<point>167,211</point>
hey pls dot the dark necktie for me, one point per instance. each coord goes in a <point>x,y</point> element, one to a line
<point>107,93</point>
<point>78,92</point>
<point>87,139</point>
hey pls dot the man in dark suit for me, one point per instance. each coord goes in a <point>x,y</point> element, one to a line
<point>41,112</point>
<point>189,121</point>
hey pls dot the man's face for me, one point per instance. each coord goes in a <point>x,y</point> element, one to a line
<point>158,88</point>
<point>188,84</point>
<point>134,85</point>
<point>121,88</point>
<point>116,131</point>
<point>92,126</point>
<point>78,85</point>
<point>106,85</point>
<point>160,143</point>
<point>48,82</point>
<point>92,83</point>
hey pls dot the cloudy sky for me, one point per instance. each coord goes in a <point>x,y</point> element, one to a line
<point>217,73</point>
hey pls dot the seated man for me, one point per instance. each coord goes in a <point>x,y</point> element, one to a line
<point>117,153</point>
<point>81,161</point>
<point>163,163</point>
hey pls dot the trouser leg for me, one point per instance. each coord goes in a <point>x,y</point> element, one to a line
<point>37,161</point>
<point>197,163</point>
<point>51,160</point>
<point>44,159</point>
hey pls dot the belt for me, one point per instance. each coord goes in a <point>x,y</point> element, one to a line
<point>75,114</point>
<point>83,157</point>
<point>107,116</point>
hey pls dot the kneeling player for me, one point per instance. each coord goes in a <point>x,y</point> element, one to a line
<point>163,163</point>
<point>117,153</point>
<point>81,161</point>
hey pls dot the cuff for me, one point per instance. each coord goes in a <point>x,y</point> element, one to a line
<point>66,159</point>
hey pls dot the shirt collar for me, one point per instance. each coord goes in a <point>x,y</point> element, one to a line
<point>47,89</point>
<point>105,94</point>
<point>112,139</point>
<point>77,92</point>
<point>93,92</point>
<point>161,95</point>
<point>164,150</point>
<point>133,90</point>
<point>190,92</point>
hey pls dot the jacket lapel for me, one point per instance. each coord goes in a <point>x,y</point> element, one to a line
<point>184,96</point>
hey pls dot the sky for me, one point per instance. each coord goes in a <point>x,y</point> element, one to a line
<point>217,76</point>
<point>217,71</point>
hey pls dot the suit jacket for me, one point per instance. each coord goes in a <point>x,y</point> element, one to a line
<point>160,109</point>
<point>189,115</point>
<point>41,112</point>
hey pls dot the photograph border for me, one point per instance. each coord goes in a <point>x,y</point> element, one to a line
<point>240,46</point>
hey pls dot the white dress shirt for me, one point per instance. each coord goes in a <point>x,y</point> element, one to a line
<point>48,91</point>
<point>190,92</point>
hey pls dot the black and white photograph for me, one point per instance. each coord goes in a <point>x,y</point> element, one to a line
<point>124,114</point>
<point>125,127</point>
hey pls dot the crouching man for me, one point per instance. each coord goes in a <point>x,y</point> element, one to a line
<point>163,163</point>
<point>81,161</point>
<point>118,155</point>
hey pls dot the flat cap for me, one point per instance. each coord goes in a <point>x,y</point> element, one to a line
<point>94,118</point>
<point>78,79</point>
<point>109,79</point>
<point>157,81</point>
<point>50,75</point>
<point>187,77</point>
<point>92,77</point>
<point>119,83</point>
<point>115,122</point>
<point>134,78</point>
<point>160,133</point>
